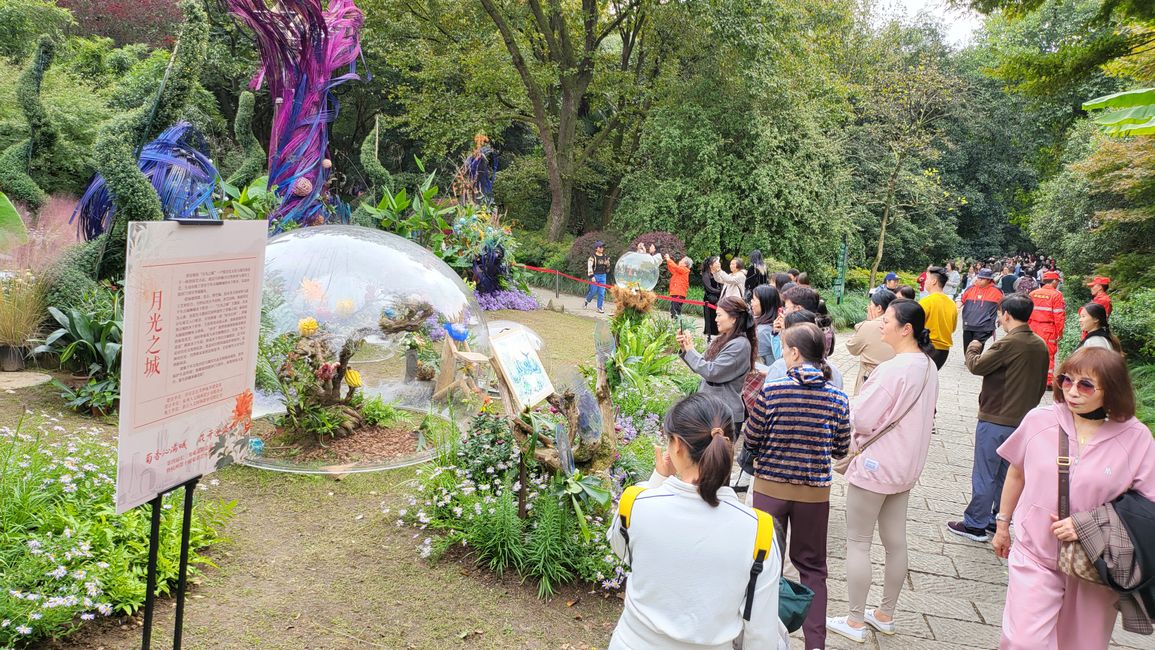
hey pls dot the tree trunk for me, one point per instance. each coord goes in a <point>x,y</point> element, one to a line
<point>886,215</point>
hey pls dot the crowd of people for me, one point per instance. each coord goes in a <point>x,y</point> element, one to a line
<point>770,402</point>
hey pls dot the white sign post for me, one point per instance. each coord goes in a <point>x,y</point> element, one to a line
<point>192,298</point>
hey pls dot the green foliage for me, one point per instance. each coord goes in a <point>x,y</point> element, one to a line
<point>496,535</point>
<point>64,554</point>
<point>86,342</point>
<point>851,312</point>
<point>644,350</point>
<point>522,190</point>
<point>858,279</point>
<point>1133,321</point>
<point>253,202</point>
<point>547,551</point>
<point>1143,377</point>
<point>12,230</point>
<point>23,21</point>
<point>255,158</point>
<point>535,249</point>
<point>375,412</point>
<point>17,162</point>
<point>115,148</point>
<point>380,181</point>
<point>98,396</point>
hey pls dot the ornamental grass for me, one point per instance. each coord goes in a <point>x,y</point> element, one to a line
<point>22,308</point>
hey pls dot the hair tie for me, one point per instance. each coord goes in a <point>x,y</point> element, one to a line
<point>717,432</point>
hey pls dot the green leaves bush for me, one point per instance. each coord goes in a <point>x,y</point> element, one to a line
<point>65,556</point>
<point>1133,321</point>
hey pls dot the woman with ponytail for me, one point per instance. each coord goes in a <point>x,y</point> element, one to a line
<point>893,418</point>
<point>797,425</point>
<point>690,543</point>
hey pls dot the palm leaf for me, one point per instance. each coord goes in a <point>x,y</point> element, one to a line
<point>12,230</point>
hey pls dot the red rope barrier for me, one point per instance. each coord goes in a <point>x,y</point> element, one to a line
<point>606,286</point>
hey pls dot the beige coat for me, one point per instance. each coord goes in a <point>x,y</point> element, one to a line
<point>867,344</point>
<point>733,284</point>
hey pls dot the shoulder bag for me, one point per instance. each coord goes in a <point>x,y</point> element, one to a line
<point>841,465</point>
<point>1073,560</point>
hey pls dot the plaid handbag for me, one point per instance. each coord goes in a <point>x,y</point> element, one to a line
<point>752,388</point>
<point>1073,560</point>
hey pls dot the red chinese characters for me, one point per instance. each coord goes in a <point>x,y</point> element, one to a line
<point>155,328</point>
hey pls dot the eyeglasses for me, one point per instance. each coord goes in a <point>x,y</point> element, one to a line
<point>1086,387</point>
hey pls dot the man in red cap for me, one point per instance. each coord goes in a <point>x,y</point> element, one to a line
<point>1099,286</point>
<point>1049,316</point>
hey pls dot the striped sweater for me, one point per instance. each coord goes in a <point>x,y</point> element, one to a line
<point>797,425</point>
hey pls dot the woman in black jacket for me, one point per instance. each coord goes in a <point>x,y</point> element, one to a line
<point>713,293</point>
<point>756,274</point>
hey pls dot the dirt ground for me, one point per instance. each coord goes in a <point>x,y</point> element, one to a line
<point>315,563</point>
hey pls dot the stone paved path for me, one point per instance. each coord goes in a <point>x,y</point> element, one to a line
<point>955,588</point>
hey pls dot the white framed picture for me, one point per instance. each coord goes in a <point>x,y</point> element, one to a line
<point>516,359</point>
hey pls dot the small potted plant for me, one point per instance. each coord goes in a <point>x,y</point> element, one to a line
<point>21,315</point>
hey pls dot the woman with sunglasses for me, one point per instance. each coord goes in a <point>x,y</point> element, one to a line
<point>690,544</point>
<point>1110,452</point>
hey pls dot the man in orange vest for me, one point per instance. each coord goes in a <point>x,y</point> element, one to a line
<point>1049,316</point>
<point>1099,286</point>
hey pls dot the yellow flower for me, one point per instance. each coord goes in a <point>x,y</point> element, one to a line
<point>345,307</point>
<point>307,326</point>
<point>353,378</point>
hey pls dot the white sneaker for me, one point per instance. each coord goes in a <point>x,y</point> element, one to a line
<point>841,627</point>
<point>872,621</point>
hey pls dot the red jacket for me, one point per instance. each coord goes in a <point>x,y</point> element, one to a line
<point>1050,313</point>
<point>679,279</point>
<point>1103,299</point>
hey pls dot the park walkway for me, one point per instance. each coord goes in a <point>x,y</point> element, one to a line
<point>956,588</point>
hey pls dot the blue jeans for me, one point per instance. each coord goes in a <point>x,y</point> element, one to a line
<point>600,292</point>
<point>988,474</point>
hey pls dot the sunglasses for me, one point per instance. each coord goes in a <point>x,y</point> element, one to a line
<point>1086,387</point>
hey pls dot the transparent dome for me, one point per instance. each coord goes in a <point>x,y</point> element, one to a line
<point>636,270</point>
<point>392,307</point>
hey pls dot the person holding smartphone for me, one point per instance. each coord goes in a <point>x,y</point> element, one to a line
<point>729,357</point>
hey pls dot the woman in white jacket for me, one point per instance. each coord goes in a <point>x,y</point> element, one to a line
<point>734,282</point>
<point>690,543</point>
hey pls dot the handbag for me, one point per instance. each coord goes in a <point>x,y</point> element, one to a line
<point>841,465</point>
<point>752,388</point>
<point>793,603</point>
<point>1073,560</point>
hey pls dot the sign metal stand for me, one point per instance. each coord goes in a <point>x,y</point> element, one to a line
<point>185,533</point>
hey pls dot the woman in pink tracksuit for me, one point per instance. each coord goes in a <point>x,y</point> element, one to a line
<point>1110,452</point>
<point>901,392</point>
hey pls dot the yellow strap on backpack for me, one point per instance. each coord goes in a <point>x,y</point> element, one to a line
<point>764,538</point>
<point>626,503</point>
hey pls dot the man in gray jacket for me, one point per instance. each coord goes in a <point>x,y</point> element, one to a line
<point>1014,372</point>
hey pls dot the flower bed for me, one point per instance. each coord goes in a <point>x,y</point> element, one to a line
<point>65,556</point>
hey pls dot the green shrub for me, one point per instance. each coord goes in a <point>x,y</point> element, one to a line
<point>522,190</point>
<point>858,279</point>
<point>535,249</point>
<point>851,312</point>
<point>547,556</point>
<point>1143,376</point>
<point>1133,321</point>
<point>65,556</point>
<point>375,412</point>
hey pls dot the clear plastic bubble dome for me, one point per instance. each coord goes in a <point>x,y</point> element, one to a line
<point>636,270</point>
<point>394,304</point>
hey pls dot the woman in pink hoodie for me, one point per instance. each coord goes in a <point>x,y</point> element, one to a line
<point>893,416</point>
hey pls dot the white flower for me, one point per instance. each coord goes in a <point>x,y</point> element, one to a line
<point>24,629</point>
<point>87,616</point>
<point>36,616</point>
<point>58,572</point>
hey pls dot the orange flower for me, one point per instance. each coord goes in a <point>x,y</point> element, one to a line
<point>312,290</point>
<point>243,411</point>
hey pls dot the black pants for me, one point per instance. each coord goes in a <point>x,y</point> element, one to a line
<point>969,336</point>
<point>676,308</point>
<point>939,357</point>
